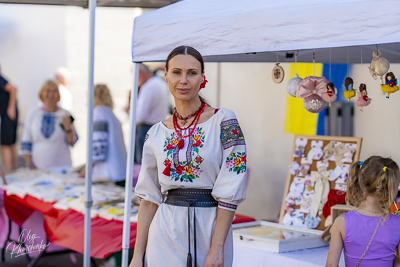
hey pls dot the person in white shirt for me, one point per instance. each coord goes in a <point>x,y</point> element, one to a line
<point>152,106</point>
<point>62,76</point>
<point>109,152</point>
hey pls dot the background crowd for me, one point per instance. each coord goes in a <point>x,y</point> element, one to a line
<point>49,132</point>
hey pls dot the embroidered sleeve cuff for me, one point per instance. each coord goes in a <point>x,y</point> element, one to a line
<point>227,206</point>
<point>26,147</point>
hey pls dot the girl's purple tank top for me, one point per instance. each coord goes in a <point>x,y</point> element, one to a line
<point>359,229</point>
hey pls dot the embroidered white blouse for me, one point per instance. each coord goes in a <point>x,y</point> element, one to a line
<point>213,157</point>
<point>109,152</point>
<point>45,140</point>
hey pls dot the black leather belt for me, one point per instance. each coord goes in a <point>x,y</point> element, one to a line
<point>191,198</point>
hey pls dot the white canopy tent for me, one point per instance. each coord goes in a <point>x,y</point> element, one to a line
<point>336,31</point>
<point>256,31</point>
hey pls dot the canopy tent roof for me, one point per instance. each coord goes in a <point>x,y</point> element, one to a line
<point>338,31</point>
<point>105,3</point>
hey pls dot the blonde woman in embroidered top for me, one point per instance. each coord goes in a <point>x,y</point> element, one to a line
<point>109,153</point>
<point>192,177</point>
<point>48,132</point>
<point>368,235</point>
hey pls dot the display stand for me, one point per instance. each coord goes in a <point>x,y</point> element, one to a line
<point>306,156</point>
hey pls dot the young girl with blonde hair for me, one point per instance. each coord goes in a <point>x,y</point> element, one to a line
<point>370,234</point>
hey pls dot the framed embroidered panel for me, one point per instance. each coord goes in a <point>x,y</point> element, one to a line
<point>317,178</point>
<point>278,74</point>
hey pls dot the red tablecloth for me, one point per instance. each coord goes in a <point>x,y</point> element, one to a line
<point>66,227</point>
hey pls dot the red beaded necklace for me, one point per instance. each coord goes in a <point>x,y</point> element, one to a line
<point>184,119</point>
<point>181,142</point>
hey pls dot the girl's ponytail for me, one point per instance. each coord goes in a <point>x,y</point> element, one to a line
<point>387,188</point>
<point>354,194</point>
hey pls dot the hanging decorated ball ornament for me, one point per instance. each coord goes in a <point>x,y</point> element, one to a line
<point>314,103</point>
<point>379,65</point>
<point>278,73</point>
<point>292,85</point>
<point>311,89</point>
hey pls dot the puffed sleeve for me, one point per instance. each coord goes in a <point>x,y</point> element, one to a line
<point>230,185</point>
<point>148,186</point>
<point>26,139</point>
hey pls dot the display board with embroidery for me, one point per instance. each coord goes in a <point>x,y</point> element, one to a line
<point>317,178</point>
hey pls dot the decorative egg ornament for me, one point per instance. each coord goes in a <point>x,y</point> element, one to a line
<point>314,103</point>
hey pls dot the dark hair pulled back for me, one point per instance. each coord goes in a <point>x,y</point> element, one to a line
<point>185,50</point>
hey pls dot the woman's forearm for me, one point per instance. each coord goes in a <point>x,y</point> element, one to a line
<point>145,216</point>
<point>13,95</point>
<point>29,162</point>
<point>215,256</point>
<point>222,226</point>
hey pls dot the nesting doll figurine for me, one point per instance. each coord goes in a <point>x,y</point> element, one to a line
<point>390,85</point>
<point>363,99</point>
<point>349,92</point>
<point>330,94</point>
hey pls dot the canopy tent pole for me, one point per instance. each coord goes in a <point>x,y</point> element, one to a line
<point>88,179</point>
<point>129,169</point>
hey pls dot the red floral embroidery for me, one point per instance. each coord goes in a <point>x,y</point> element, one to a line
<point>180,169</point>
<point>170,147</point>
<point>197,144</point>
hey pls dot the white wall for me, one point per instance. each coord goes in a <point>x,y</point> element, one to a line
<point>36,39</point>
<point>32,45</point>
<point>260,104</point>
<point>379,123</point>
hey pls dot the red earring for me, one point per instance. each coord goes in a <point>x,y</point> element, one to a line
<point>203,84</point>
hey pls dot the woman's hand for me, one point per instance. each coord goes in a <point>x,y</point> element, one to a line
<point>215,258</point>
<point>66,123</point>
<point>3,177</point>
<point>11,112</point>
<point>82,172</point>
<point>29,162</point>
<point>32,166</point>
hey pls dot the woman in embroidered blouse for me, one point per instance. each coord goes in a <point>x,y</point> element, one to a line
<point>199,147</point>
<point>109,152</point>
<point>48,132</point>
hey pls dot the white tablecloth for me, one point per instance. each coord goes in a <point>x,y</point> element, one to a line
<point>252,257</point>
